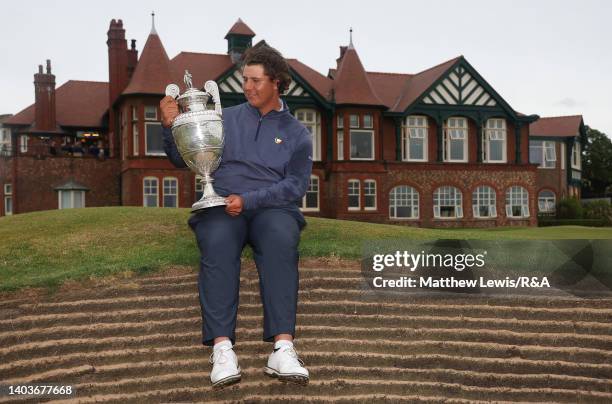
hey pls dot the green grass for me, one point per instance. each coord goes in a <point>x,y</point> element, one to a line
<point>43,249</point>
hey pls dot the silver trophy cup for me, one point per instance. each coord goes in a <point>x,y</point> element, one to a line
<point>198,134</point>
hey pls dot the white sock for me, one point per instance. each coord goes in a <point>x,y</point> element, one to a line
<point>282,342</point>
<point>222,344</point>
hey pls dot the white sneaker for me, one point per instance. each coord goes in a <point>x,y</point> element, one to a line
<point>225,369</point>
<point>285,364</point>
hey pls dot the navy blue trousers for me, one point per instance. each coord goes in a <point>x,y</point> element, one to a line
<point>274,235</point>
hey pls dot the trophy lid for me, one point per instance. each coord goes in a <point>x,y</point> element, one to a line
<point>192,96</point>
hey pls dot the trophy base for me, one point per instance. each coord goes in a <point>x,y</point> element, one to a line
<point>208,202</point>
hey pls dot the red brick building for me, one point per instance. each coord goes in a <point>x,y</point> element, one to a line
<point>438,148</point>
<point>555,145</point>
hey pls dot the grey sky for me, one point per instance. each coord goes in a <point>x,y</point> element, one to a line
<point>544,57</point>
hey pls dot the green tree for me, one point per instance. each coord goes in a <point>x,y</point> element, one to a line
<point>597,163</point>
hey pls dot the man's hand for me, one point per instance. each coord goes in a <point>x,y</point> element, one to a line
<point>234,205</point>
<point>169,110</point>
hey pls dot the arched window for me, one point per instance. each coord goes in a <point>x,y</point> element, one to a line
<point>483,202</point>
<point>447,203</point>
<point>546,201</point>
<point>403,203</point>
<point>517,202</point>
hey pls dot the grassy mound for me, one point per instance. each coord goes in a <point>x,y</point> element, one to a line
<point>47,248</point>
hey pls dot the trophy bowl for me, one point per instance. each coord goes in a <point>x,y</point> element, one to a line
<point>198,134</point>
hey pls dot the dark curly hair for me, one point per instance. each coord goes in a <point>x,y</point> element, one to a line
<point>274,65</point>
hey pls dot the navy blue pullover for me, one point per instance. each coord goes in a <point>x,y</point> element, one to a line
<point>267,160</point>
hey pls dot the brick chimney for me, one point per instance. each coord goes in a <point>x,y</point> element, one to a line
<point>132,59</point>
<point>342,52</point>
<point>117,60</point>
<point>44,105</point>
<point>118,77</point>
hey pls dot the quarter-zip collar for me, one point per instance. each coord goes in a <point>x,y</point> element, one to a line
<point>274,114</point>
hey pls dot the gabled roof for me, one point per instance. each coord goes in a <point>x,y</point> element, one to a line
<point>152,73</point>
<point>320,83</point>
<point>564,126</point>
<point>77,103</point>
<point>202,66</point>
<point>351,82</point>
<point>420,82</point>
<point>388,86</point>
<point>240,28</point>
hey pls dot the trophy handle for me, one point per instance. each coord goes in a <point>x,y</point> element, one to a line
<point>211,88</point>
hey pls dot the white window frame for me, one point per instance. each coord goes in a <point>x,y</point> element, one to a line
<point>148,109</point>
<point>547,203</point>
<point>455,131</point>
<point>147,153</point>
<point>352,123</point>
<point>369,125</point>
<point>176,194</point>
<point>5,141</point>
<point>145,194</point>
<point>340,143</point>
<point>23,143</point>
<point>373,148</point>
<point>495,130</point>
<point>314,182</point>
<point>349,189</point>
<point>549,161</point>
<point>484,195</point>
<point>366,193</point>
<point>8,196</point>
<point>135,139</point>
<point>407,194</point>
<point>74,193</point>
<point>134,113</point>
<point>440,197</point>
<point>521,200</point>
<point>340,120</point>
<point>576,156</point>
<point>314,125</point>
<point>8,200</point>
<point>415,127</point>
